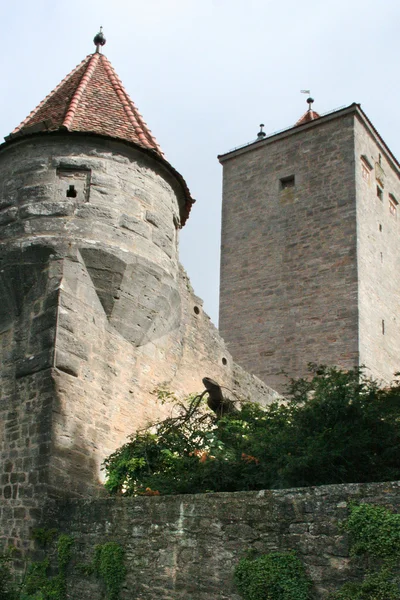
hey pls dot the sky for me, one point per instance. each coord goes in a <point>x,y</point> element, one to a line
<point>205,73</point>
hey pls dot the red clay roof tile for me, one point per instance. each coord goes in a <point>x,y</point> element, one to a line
<point>92,99</point>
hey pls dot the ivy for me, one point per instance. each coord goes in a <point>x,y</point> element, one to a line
<point>40,584</point>
<point>274,576</point>
<point>7,588</point>
<point>108,565</point>
<point>374,536</point>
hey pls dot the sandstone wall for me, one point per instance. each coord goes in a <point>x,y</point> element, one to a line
<point>378,256</point>
<point>288,251</point>
<point>96,314</point>
<point>186,547</point>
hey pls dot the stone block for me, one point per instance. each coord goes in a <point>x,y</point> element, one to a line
<point>8,215</point>
<point>32,364</point>
<point>135,225</point>
<point>46,209</point>
<point>68,363</point>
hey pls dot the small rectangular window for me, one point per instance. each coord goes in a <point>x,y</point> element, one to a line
<point>366,167</point>
<point>393,203</point>
<point>379,193</point>
<point>287,182</point>
<point>365,172</point>
<point>367,162</point>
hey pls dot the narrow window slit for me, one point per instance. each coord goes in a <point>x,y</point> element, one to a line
<point>71,192</point>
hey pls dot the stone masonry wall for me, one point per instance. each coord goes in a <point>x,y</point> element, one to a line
<point>186,547</point>
<point>288,253</point>
<point>378,254</point>
<point>96,314</point>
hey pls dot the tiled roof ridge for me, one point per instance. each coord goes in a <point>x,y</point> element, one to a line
<point>39,106</point>
<point>73,105</point>
<point>130,108</point>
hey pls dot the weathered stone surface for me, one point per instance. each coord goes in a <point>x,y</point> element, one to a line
<point>307,275</point>
<point>195,541</point>
<point>95,315</point>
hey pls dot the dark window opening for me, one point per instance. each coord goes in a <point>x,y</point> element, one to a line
<point>287,182</point>
<point>379,192</point>
<point>380,227</point>
<point>196,310</point>
<point>383,327</point>
<point>393,204</point>
<point>71,192</point>
<point>224,361</point>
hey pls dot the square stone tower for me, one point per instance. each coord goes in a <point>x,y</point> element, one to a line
<point>310,258</point>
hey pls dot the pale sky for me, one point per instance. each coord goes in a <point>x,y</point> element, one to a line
<point>205,73</point>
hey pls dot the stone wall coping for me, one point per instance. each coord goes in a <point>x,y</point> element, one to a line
<point>340,490</point>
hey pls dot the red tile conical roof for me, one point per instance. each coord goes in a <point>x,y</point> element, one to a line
<point>91,99</point>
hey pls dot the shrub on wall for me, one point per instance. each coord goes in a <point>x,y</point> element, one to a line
<point>275,576</point>
<point>374,536</point>
<point>337,427</point>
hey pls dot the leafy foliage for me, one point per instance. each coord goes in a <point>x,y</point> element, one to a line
<point>274,576</point>
<point>335,427</point>
<point>109,566</point>
<point>40,584</point>
<point>7,588</point>
<point>374,534</point>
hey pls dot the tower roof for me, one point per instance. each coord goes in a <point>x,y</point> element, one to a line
<point>91,99</point>
<point>308,116</point>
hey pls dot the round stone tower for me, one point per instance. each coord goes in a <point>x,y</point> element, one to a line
<point>96,313</point>
<point>89,275</point>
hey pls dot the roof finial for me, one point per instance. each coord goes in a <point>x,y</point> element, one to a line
<point>99,40</point>
<point>261,134</point>
<point>309,99</point>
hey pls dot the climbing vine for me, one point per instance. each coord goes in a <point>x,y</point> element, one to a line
<point>109,566</point>
<point>374,536</point>
<point>40,584</point>
<point>274,576</point>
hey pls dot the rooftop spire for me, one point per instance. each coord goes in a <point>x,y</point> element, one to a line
<point>310,115</point>
<point>99,39</point>
<point>261,134</point>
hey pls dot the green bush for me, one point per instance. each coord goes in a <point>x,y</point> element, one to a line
<point>374,536</point>
<point>275,576</point>
<point>336,427</point>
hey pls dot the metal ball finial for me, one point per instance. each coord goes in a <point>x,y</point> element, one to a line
<point>310,101</point>
<point>99,39</point>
